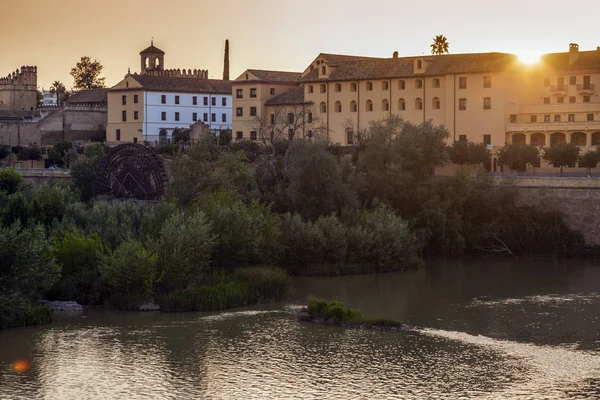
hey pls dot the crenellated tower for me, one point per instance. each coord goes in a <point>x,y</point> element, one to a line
<point>152,62</point>
<point>18,90</point>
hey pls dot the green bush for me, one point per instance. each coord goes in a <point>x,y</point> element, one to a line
<point>336,312</point>
<point>251,149</point>
<point>264,283</point>
<point>17,311</point>
<point>10,180</point>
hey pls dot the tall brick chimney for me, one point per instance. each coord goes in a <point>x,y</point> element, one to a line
<point>573,53</point>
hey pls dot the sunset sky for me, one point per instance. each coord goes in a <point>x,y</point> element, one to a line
<point>274,34</point>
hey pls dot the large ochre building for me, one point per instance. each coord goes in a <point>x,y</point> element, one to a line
<point>486,97</point>
<point>149,106</point>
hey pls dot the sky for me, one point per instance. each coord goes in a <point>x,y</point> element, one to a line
<point>275,34</point>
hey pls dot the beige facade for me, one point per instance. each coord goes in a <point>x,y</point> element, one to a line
<point>125,99</point>
<point>487,97</point>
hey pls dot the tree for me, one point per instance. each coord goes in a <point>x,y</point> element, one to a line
<point>10,181</point>
<point>517,156</point>
<point>4,151</point>
<point>86,74</point>
<point>181,136</point>
<point>32,153</point>
<point>561,155</point>
<point>83,171</point>
<point>589,160</point>
<point>62,152</point>
<point>59,90</point>
<point>226,62</point>
<point>440,45</point>
<point>464,152</point>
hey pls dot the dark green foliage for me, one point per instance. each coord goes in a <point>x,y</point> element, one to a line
<point>589,160</point>
<point>4,151</point>
<point>251,149</point>
<point>517,156</point>
<point>181,136</point>
<point>335,311</point>
<point>561,155</point>
<point>83,171</point>
<point>464,152</point>
<point>62,152</point>
<point>32,153</point>
<point>246,286</point>
<point>225,137</point>
<point>17,311</point>
<point>10,181</point>
<point>167,149</point>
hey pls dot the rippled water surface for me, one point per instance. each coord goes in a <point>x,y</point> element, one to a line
<point>488,330</point>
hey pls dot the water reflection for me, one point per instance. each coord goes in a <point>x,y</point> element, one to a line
<point>491,331</point>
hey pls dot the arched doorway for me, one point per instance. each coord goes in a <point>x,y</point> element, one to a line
<point>579,138</point>
<point>162,136</point>
<point>518,138</point>
<point>596,139</point>
<point>558,138</point>
<point>538,139</point>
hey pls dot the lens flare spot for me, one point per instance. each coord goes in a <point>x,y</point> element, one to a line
<point>20,366</point>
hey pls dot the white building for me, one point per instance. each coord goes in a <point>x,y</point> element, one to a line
<point>48,99</point>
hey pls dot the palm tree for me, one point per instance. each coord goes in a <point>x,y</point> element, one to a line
<point>440,45</point>
<point>57,88</point>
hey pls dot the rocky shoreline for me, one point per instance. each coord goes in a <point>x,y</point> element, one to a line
<point>63,306</point>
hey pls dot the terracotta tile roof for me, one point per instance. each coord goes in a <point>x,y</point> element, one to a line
<point>152,50</point>
<point>335,58</point>
<point>560,61</point>
<point>276,76</point>
<point>404,67</point>
<point>294,96</point>
<point>183,84</point>
<point>88,96</point>
<point>18,115</point>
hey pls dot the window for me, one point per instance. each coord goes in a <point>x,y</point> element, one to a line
<point>572,99</point>
<point>239,94</point>
<point>310,89</point>
<point>590,117</point>
<point>385,105</point>
<point>176,116</point>
<point>205,117</point>
<point>513,118</point>
<point>213,117</point>
<point>571,117</point>
<point>194,117</point>
<point>462,104</point>
<point>239,111</point>
<point>369,86</point>
<point>586,99</point>
<point>136,115</point>
<point>253,111</point>
<point>213,101</point>
<point>338,87</point>
<point>239,135</point>
<point>323,88</point>
<point>487,81</point>
<point>205,101</point>
<point>349,137</point>
<point>252,135</point>
<point>176,99</point>
<point>290,134</point>
<point>272,119</point>
<point>195,100</point>
<point>487,103</point>
<point>310,134</point>
<point>462,82</point>
<point>124,116</point>
<point>323,107</point>
<point>309,117</point>
<point>533,118</point>
<point>223,117</point>
<point>135,98</point>
<point>124,100</point>
<point>435,104</point>
<point>290,118</point>
<point>487,140</point>
<point>560,100</point>
<point>419,64</point>
<point>401,105</point>
<point>252,92</point>
<point>163,116</point>
<point>353,106</point>
<point>572,80</point>
<point>557,118</point>
<point>353,87</point>
<point>118,134</point>
<point>546,118</point>
<point>419,84</point>
<point>134,140</point>
<point>418,104</point>
<point>462,138</point>
<point>436,83</point>
<point>163,99</point>
<point>546,100</point>
<point>385,85</point>
<point>272,91</point>
<point>224,101</point>
<point>401,85</point>
<point>546,81</point>
<point>369,105</point>
<point>323,70</point>
<point>561,83</point>
<point>338,106</point>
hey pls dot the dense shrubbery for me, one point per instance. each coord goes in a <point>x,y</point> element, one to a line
<point>335,312</point>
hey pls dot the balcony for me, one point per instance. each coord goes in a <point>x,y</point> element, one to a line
<point>586,88</point>
<point>553,126</point>
<point>559,90</point>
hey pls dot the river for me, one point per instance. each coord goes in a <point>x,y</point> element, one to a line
<point>488,330</point>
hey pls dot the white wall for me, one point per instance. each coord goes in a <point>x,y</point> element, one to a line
<point>153,109</point>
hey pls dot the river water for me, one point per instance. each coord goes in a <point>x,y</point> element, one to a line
<point>488,330</point>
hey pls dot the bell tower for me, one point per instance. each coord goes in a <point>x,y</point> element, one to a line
<point>152,59</point>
